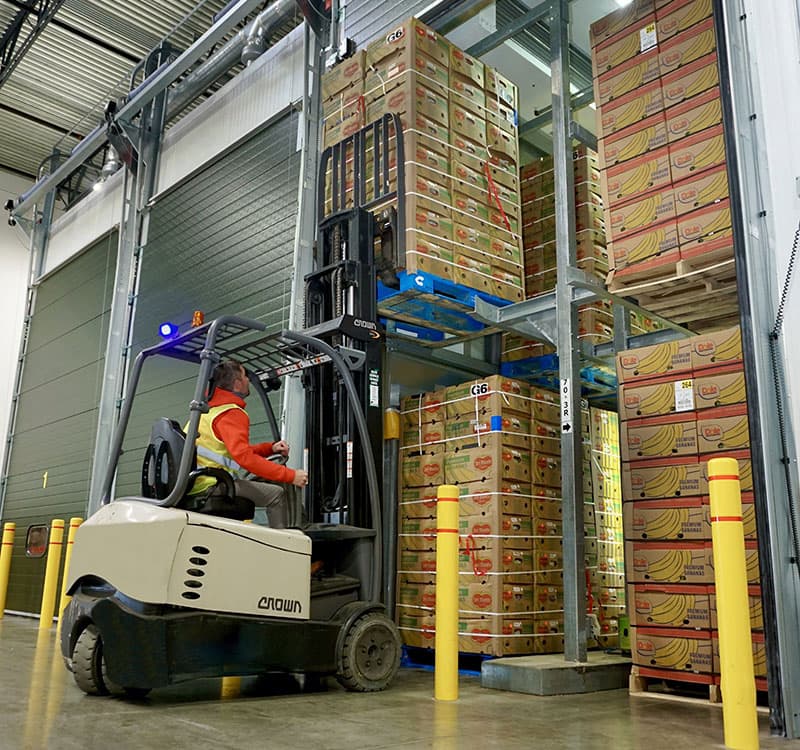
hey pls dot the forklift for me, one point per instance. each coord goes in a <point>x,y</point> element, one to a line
<point>167,586</point>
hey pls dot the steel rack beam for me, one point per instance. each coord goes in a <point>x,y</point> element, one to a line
<point>501,35</point>
<point>580,100</point>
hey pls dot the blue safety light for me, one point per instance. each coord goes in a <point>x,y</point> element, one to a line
<point>168,330</point>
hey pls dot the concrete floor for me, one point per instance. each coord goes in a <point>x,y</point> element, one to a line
<point>42,708</point>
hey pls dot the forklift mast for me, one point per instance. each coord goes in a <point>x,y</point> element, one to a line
<point>359,177</point>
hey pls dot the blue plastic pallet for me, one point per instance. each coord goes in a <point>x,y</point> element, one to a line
<point>543,371</point>
<point>430,302</point>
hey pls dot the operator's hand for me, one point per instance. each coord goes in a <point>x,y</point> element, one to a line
<point>281,447</point>
<point>300,478</point>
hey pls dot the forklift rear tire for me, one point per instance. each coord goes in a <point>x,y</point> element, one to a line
<point>87,662</point>
<point>370,655</point>
<point>89,667</point>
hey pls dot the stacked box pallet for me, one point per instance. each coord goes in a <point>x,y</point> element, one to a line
<point>498,440</point>
<point>480,434</point>
<point>681,404</point>
<point>595,320</point>
<point>663,160</point>
<point>606,583</point>
<point>461,157</point>
<point>537,182</point>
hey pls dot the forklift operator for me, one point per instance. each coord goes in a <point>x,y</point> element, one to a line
<point>223,441</point>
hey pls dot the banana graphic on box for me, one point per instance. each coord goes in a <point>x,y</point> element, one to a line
<point>670,568</point>
<point>713,153</point>
<point>667,524</point>
<point>676,653</point>
<point>663,442</point>
<point>672,610</point>
<point>731,348</point>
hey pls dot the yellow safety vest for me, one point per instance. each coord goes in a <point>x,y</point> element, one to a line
<point>211,451</point>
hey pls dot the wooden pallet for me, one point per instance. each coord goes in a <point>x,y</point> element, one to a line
<point>685,687</point>
<point>699,297</point>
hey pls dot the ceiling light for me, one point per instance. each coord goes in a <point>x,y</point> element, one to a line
<point>97,186</point>
<point>623,3</point>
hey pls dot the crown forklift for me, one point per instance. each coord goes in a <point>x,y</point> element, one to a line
<point>167,587</point>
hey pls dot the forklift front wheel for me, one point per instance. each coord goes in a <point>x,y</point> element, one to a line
<point>370,655</point>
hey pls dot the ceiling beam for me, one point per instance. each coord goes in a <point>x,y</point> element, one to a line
<point>44,12</point>
<point>40,121</point>
<point>81,34</point>
<point>501,35</point>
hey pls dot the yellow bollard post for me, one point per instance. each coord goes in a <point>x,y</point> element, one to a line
<point>74,523</point>
<point>5,562</point>
<point>51,573</point>
<point>445,683</point>
<point>733,610</point>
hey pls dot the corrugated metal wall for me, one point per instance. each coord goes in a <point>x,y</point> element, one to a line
<point>53,438</point>
<point>223,243</point>
<point>366,19</point>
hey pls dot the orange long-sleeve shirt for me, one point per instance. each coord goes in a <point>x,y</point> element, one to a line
<point>232,427</point>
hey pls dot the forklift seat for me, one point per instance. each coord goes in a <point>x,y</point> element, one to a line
<point>160,473</point>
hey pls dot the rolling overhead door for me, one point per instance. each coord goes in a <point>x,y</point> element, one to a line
<point>52,439</point>
<point>222,242</point>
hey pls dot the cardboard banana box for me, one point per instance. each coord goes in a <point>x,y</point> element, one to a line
<point>701,228</point>
<point>656,520</point>
<point>348,74</point>
<point>488,503</point>
<point>657,396</point>
<point>622,47</point>
<point>425,214</point>
<point>638,176</point>
<point>687,82</point>
<point>427,253</point>
<point>546,439</point>
<point>496,394</point>
<point>640,212</point>
<point>696,153</point>
<point>759,654</point>
<point>755,607</point>
<point>422,435</point>
<point>423,540</point>
<point>654,479</point>
<point>716,348</point>
<point>517,530</point>
<point>630,143</point>
<point>494,595</point>
<point>417,627</point>
<point>723,429</point>
<point>631,108</point>
<point>669,562</point>
<point>514,430</point>
<point>610,596</point>
<point>679,16</point>
<point>694,115</point>
<point>423,408</point>
<point>632,15</point>
<point>422,466</point>
<point>489,460</point>
<point>659,437</point>
<point>482,556</point>
<point>495,636</point>
<point>647,362</point>
<point>464,121</point>
<point>630,75</point>
<point>465,93</point>
<point>548,599</point>
<point>463,163</point>
<point>695,42</point>
<point>467,66</point>
<point>498,87</point>
<point>676,649</point>
<point>670,606</point>
<point>603,579</point>
<point>546,510</point>
<point>548,577</point>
